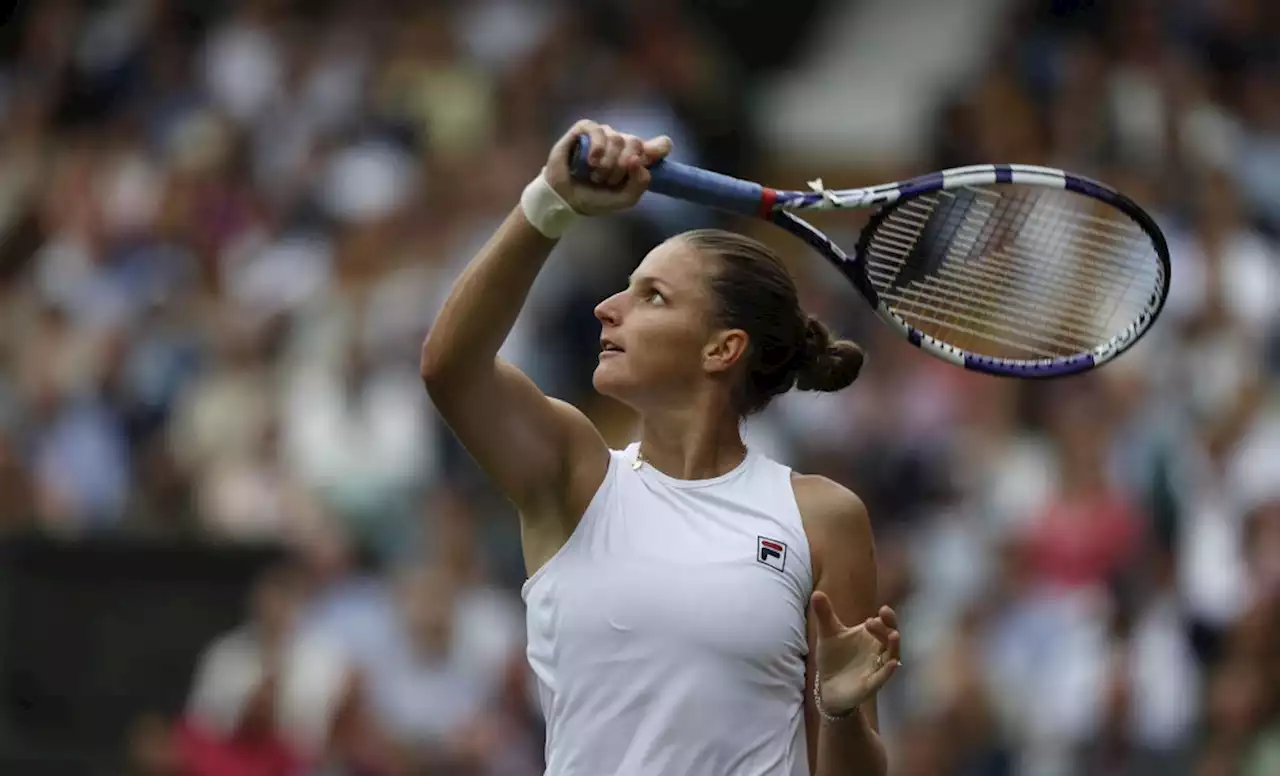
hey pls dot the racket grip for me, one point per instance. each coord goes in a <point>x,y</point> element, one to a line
<point>686,182</point>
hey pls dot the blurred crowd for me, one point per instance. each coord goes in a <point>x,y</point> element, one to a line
<point>226,226</point>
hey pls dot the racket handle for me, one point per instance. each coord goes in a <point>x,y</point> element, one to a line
<point>686,182</point>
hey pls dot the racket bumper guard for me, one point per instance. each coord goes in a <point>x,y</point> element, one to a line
<point>1054,368</point>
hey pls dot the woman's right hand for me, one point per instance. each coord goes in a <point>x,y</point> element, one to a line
<point>619,168</point>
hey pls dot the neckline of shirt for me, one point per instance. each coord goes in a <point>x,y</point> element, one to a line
<point>639,464</point>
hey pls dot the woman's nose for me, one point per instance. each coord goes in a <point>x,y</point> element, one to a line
<point>609,311</point>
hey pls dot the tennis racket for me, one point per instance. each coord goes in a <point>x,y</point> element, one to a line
<point>1006,269</point>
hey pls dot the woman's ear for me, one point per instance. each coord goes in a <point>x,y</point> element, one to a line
<point>726,348</point>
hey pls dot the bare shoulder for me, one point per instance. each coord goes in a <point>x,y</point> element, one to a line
<point>835,518</point>
<point>829,503</point>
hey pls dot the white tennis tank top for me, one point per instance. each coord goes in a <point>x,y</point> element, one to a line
<point>668,634</point>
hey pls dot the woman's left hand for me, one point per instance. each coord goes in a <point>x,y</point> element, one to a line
<point>853,662</point>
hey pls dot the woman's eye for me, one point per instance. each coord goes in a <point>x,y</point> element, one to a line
<point>656,298</point>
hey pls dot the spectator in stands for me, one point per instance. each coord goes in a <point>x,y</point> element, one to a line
<point>440,671</point>
<point>265,695</point>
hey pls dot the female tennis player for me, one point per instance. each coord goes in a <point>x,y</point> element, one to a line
<point>688,597</point>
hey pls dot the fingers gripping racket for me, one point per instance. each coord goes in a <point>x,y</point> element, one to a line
<point>1006,269</point>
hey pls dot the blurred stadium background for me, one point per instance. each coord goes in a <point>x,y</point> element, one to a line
<point>227,505</point>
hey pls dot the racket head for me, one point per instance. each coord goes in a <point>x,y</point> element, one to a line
<point>1009,270</point>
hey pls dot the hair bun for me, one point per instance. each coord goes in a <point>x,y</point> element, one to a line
<point>827,365</point>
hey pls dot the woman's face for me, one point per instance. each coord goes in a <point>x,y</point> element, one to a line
<point>657,335</point>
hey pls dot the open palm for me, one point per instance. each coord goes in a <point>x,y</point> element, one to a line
<point>853,662</point>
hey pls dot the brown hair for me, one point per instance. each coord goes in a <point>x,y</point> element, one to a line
<point>753,291</point>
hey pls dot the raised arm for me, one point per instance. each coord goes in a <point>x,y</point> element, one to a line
<point>542,453</point>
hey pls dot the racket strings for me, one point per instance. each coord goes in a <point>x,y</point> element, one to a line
<point>1097,261</point>
<point>1103,253</point>
<point>1133,253</point>
<point>1069,292</point>
<point>994,292</point>
<point>995,319</point>
<point>1017,272</point>
<point>1035,323</point>
<point>971,278</point>
<point>1100,261</point>
<point>989,282</point>
<point>1079,316</point>
<point>1014,259</point>
<point>1046,331</point>
<point>984,333</point>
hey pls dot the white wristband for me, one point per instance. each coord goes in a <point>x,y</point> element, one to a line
<point>545,209</point>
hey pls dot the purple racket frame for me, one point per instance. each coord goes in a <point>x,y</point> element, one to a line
<point>745,198</point>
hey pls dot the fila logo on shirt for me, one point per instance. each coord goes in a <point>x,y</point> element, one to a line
<point>771,553</point>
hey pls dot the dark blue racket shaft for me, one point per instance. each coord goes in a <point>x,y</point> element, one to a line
<point>682,181</point>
